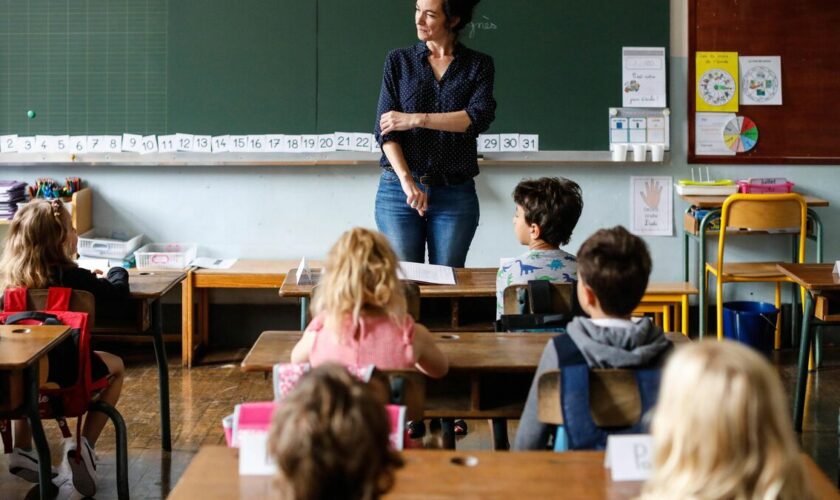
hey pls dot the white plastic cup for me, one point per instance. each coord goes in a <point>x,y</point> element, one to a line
<point>619,152</point>
<point>639,152</point>
<point>657,152</point>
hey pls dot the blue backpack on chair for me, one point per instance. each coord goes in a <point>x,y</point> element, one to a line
<point>584,429</point>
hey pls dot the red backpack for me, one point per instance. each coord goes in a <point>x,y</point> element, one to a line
<point>69,360</point>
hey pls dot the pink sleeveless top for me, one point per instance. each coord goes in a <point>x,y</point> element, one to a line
<point>377,341</point>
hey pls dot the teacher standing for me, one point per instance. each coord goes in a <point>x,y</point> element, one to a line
<point>436,97</point>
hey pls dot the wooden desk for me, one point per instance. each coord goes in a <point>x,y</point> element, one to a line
<point>214,474</point>
<point>659,298</point>
<point>148,286</point>
<point>21,348</point>
<point>714,204</point>
<point>818,280</point>
<point>481,282</point>
<point>243,274</point>
<point>489,373</point>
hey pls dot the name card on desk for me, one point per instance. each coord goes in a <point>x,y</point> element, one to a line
<point>837,267</point>
<point>629,457</point>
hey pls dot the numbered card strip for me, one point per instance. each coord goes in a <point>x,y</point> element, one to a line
<point>269,143</point>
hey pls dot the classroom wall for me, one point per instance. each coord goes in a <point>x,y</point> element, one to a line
<point>286,212</point>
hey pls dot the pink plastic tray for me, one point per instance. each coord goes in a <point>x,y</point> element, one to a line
<point>748,187</point>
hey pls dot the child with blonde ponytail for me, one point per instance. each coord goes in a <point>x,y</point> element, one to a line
<point>359,312</point>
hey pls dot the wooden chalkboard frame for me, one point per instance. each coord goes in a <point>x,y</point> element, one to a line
<point>804,34</point>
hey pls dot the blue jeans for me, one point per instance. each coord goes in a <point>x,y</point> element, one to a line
<point>448,225</point>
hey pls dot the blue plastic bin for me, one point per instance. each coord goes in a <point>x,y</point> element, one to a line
<point>752,323</point>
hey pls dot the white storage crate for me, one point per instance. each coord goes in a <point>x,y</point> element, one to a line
<point>108,244</point>
<point>171,255</point>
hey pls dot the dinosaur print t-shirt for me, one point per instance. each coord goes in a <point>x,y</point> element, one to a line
<point>556,266</point>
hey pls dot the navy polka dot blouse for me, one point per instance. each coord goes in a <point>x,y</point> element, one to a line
<point>409,86</point>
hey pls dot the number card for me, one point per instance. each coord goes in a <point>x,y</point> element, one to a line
<point>488,143</point>
<point>374,145</point>
<point>309,143</point>
<point>149,144</point>
<point>529,142</point>
<point>167,143</point>
<point>221,144</point>
<point>343,141</point>
<point>132,143</point>
<point>45,143</point>
<point>275,143</point>
<point>201,144</point>
<point>184,142</point>
<point>96,144</point>
<point>238,143</point>
<point>113,143</point>
<point>78,144</point>
<point>62,143</point>
<point>361,142</point>
<point>256,143</point>
<point>8,143</point>
<point>26,144</point>
<point>509,142</point>
<point>293,143</point>
<point>326,143</point>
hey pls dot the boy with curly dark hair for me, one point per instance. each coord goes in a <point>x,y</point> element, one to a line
<point>547,211</point>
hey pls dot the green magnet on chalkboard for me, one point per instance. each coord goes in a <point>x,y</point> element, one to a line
<point>30,114</point>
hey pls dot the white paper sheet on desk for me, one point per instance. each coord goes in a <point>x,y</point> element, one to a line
<point>426,273</point>
<point>93,265</point>
<point>212,263</point>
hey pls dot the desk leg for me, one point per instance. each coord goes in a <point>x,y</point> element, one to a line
<point>701,269</point>
<point>163,374</point>
<point>45,486</point>
<point>447,433</point>
<point>684,314</point>
<point>802,366</point>
<point>686,237</point>
<point>304,307</point>
<point>187,321</point>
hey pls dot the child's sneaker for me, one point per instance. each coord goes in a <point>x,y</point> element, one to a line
<point>83,468</point>
<point>24,464</point>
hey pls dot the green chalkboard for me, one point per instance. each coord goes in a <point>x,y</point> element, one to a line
<point>304,66</point>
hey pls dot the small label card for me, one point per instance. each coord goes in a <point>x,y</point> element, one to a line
<point>275,143</point>
<point>374,145</point>
<point>8,143</point>
<point>629,456</point>
<point>150,144</point>
<point>184,142</point>
<point>303,275</point>
<point>78,144</point>
<point>256,144</point>
<point>293,144</point>
<point>309,143</point>
<point>488,143</point>
<point>201,144</point>
<point>326,143</point>
<point>529,142</point>
<point>509,143</point>
<point>238,143</point>
<point>26,144</point>
<point>361,142</point>
<point>837,267</point>
<point>220,143</point>
<point>132,143</point>
<point>343,141</point>
<point>167,144</point>
<point>45,143</point>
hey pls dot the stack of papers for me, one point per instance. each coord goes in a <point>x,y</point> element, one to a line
<point>426,273</point>
<point>11,193</point>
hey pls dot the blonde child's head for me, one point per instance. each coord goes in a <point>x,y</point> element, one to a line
<point>40,237</point>
<point>360,277</point>
<point>722,429</point>
<point>330,439</point>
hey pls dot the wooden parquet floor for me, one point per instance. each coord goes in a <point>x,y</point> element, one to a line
<point>201,397</point>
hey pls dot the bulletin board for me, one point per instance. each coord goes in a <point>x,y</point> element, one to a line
<point>804,129</point>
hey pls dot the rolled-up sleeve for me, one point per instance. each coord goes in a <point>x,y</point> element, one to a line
<point>482,106</point>
<point>388,101</point>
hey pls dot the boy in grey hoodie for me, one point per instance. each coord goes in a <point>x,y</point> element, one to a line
<point>613,271</point>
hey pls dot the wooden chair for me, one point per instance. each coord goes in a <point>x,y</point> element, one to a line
<point>412,299</point>
<point>518,301</point>
<point>783,213</point>
<point>83,301</point>
<point>614,400</point>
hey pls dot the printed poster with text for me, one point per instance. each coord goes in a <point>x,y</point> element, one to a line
<point>717,81</point>
<point>651,206</point>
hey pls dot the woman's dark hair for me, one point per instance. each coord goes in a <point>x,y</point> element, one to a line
<point>462,9</point>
